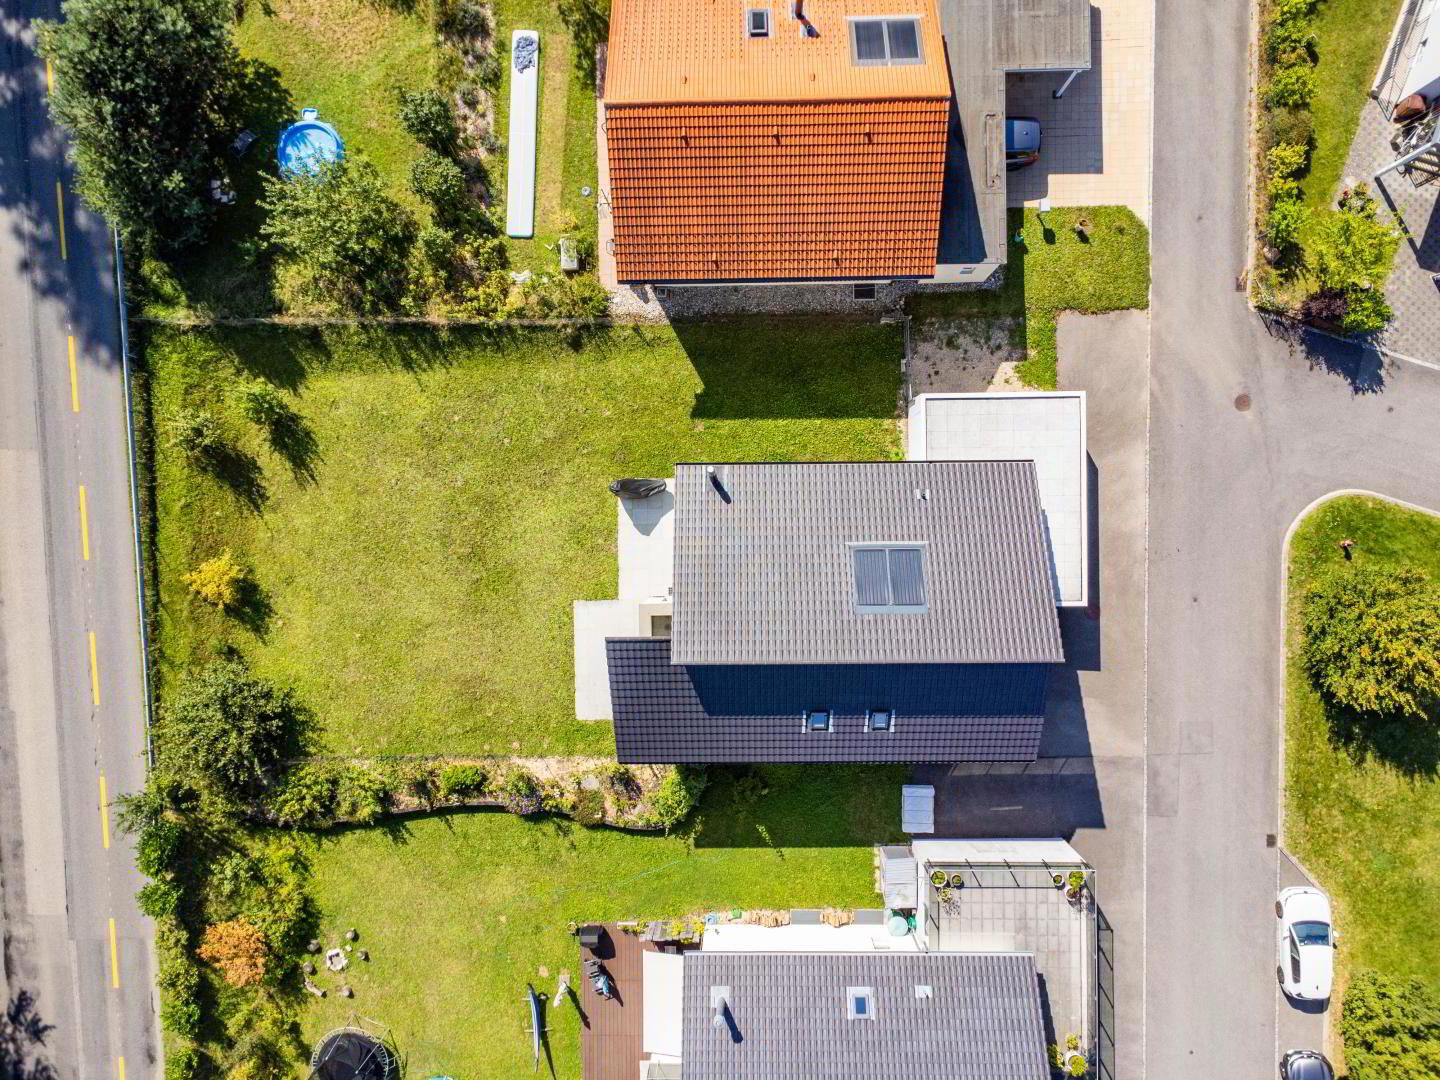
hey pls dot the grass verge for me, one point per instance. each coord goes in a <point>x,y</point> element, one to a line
<point>1364,814</point>
<point>419,529</point>
<point>460,913</point>
<point>1052,269</point>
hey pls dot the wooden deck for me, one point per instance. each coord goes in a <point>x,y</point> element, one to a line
<point>611,1038</point>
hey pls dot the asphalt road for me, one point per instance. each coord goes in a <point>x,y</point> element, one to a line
<point>1246,430</point>
<point>71,717</point>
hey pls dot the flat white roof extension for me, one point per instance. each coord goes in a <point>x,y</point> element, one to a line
<point>1047,427</point>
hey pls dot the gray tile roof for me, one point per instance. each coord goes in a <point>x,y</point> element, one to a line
<point>763,574</point>
<point>982,1022</point>
<point>671,714</point>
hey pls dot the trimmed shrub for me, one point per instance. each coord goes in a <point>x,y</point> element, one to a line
<point>429,119</point>
<point>589,806</point>
<point>236,948</point>
<point>677,795</point>
<point>179,981</point>
<point>1390,1027</point>
<point>519,791</point>
<point>1283,189</point>
<point>217,581</point>
<point>1286,11</point>
<point>262,404</point>
<point>462,781</point>
<point>159,899</point>
<point>1285,223</point>
<point>1350,247</point>
<point>1372,639</point>
<point>440,182</point>
<point>1326,306</point>
<point>197,434</point>
<point>159,846</point>
<point>186,1063</point>
<point>305,795</point>
<point>1289,40</point>
<point>1289,126</point>
<point>361,794</point>
<point>1291,87</point>
<point>1366,311</point>
<point>1287,159</point>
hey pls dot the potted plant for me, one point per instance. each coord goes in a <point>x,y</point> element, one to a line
<point>957,880</point>
<point>1075,882</point>
<point>937,878</point>
<point>1069,1059</point>
<point>1058,880</point>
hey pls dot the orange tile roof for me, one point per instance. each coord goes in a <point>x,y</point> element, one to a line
<point>763,191</point>
<point>673,51</point>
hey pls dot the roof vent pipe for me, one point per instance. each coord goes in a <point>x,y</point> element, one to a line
<point>715,483</point>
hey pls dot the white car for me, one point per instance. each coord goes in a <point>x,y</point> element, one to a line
<point>1307,944</point>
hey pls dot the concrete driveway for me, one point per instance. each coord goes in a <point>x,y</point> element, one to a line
<point>1096,145</point>
<point>1088,786</point>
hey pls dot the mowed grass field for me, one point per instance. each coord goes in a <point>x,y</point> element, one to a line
<point>1364,813</point>
<point>460,913</point>
<point>419,538</point>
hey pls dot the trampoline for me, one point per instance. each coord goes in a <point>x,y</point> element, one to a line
<point>350,1053</point>
<point>307,143</point>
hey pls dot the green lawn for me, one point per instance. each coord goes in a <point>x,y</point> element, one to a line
<point>1050,269</point>
<point>459,913</point>
<point>1364,816</point>
<point>347,58</point>
<point>442,501</point>
<point>1350,40</point>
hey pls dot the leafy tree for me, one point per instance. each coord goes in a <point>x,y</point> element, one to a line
<point>430,119</point>
<point>226,729</point>
<point>237,948</point>
<point>158,899</point>
<point>144,88</point>
<point>186,1063</point>
<point>344,233</point>
<point>677,795</point>
<point>1372,638</point>
<point>1353,249</point>
<point>441,183</point>
<point>217,581</point>
<point>1366,311</point>
<point>1390,1027</point>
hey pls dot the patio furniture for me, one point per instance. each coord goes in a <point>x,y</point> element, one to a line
<point>591,935</point>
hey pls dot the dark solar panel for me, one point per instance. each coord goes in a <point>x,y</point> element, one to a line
<point>907,579</point>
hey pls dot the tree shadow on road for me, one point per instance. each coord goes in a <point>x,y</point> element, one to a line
<point>23,1032</point>
<point>1357,362</point>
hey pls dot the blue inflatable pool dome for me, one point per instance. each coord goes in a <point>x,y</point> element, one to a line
<point>308,142</point>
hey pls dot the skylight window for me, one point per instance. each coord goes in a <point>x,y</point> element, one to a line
<point>889,578</point>
<point>818,720</point>
<point>880,720</point>
<point>757,22</point>
<point>885,41</point>
<point>860,1002</point>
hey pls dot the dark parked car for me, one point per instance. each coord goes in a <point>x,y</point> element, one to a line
<point>1306,1065</point>
<point>1022,141</point>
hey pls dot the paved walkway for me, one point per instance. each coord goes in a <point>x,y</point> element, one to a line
<point>1415,331</point>
<point>1096,148</point>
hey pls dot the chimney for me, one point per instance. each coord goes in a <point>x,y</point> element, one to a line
<point>797,10</point>
<point>715,483</point>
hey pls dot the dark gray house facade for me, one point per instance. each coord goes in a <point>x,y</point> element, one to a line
<point>846,612</point>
